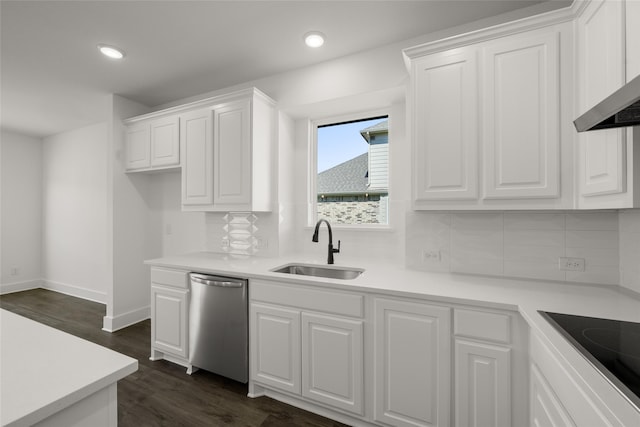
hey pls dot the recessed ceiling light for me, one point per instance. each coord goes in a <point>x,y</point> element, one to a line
<point>111,51</point>
<point>314,39</point>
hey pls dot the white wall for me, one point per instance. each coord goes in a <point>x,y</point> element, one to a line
<point>74,250</point>
<point>128,226</point>
<point>174,232</point>
<point>20,212</point>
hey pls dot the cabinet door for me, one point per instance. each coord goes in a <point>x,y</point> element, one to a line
<point>169,320</point>
<point>482,384</point>
<point>137,145</point>
<point>332,361</point>
<point>232,155</point>
<point>521,123</point>
<point>275,343</point>
<point>445,126</point>
<point>165,142</point>
<point>197,149</point>
<point>546,409</point>
<point>412,363</point>
<point>602,154</point>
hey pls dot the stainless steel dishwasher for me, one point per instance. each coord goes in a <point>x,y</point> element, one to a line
<point>218,326</point>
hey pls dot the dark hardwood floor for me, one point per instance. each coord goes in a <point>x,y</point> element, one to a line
<point>160,393</point>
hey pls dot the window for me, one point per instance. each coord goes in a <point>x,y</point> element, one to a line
<point>352,171</point>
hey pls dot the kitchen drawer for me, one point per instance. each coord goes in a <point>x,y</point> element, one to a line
<point>305,298</point>
<point>173,278</point>
<point>482,325</point>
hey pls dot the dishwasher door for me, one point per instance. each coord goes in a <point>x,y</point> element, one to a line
<point>218,326</point>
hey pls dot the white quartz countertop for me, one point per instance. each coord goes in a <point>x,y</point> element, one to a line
<point>44,370</point>
<point>526,296</point>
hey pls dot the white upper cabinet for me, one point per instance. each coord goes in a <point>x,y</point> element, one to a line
<point>165,143</point>
<point>521,108</point>
<point>138,147</point>
<point>445,91</point>
<point>152,144</point>
<point>232,154</point>
<point>490,119</point>
<point>225,146</point>
<point>607,52</point>
<point>197,148</point>
<point>602,154</point>
<point>227,163</point>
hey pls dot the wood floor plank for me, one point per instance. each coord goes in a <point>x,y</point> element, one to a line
<point>160,393</point>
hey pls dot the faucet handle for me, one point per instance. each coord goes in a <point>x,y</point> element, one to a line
<point>335,251</point>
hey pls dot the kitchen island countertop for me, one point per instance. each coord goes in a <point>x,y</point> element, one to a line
<point>45,371</point>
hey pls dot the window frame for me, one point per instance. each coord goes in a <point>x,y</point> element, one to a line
<point>312,167</point>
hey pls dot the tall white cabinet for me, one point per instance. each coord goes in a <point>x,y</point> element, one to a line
<point>490,120</point>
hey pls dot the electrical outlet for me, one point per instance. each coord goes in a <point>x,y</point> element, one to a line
<point>225,242</point>
<point>429,256</point>
<point>571,264</point>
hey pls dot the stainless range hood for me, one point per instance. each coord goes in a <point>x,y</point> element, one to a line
<point>620,109</point>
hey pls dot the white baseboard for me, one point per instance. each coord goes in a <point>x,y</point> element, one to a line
<point>75,291</point>
<point>113,323</point>
<point>7,288</point>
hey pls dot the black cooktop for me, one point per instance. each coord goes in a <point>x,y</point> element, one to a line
<point>612,346</point>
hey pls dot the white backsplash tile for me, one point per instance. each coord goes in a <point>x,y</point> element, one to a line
<point>534,221</point>
<point>532,270</point>
<point>591,239</point>
<point>592,221</point>
<point>522,244</point>
<point>553,238</point>
<point>478,221</point>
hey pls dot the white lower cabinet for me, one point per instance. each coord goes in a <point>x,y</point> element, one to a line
<point>332,361</point>
<point>412,363</point>
<point>170,315</point>
<point>169,320</point>
<point>303,345</point>
<point>565,390</point>
<point>275,347</point>
<point>483,365</point>
<point>546,409</point>
<point>369,359</point>
<point>482,384</point>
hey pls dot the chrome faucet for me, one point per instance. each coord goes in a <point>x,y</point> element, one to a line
<point>331,249</point>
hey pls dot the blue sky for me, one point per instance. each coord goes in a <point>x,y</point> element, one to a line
<point>339,143</point>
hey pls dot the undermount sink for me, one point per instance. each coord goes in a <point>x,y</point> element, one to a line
<point>344,273</point>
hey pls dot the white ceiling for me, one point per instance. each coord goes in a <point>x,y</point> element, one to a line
<point>53,78</point>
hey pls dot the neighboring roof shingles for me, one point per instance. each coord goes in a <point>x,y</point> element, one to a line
<point>383,126</point>
<point>345,178</point>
